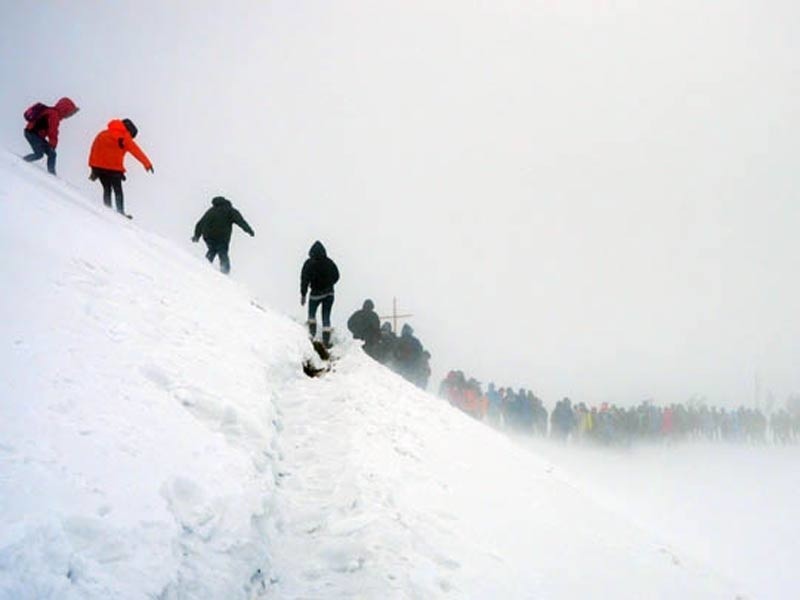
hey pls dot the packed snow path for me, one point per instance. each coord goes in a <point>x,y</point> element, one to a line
<point>393,494</point>
<point>160,440</point>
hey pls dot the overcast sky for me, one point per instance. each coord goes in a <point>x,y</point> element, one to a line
<point>592,199</point>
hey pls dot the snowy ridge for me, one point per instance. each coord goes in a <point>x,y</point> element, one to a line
<point>160,440</point>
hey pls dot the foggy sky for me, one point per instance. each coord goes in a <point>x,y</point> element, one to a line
<point>592,199</point>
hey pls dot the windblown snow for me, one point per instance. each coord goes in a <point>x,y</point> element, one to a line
<point>159,439</point>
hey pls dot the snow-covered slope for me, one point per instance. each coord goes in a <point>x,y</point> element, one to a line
<point>158,439</point>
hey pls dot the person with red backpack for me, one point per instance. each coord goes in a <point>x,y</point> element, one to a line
<point>107,156</point>
<point>41,129</point>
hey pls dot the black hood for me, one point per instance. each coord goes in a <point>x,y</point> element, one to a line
<point>368,305</point>
<point>317,250</point>
<point>220,201</point>
<point>132,129</point>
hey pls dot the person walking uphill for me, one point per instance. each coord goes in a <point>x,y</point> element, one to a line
<point>320,274</point>
<point>41,130</point>
<point>216,226</point>
<point>107,157</point>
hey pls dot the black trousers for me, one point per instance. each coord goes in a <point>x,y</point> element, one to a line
<point>327,305</point>
<point>111,180</point>
<point>219,248</point>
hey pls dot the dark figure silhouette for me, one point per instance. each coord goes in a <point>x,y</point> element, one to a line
<point>216,226</point>
<point>320,274</point>
<point>365,325</point>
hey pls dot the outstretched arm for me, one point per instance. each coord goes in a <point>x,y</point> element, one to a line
<point>239,220</point>
<point>134,149</point>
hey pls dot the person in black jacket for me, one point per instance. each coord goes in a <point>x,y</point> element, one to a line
<point>408,353</point>
<point>215,226</point>
<point>384,353</point>
<point>365,325</point>
<point>319,273</point>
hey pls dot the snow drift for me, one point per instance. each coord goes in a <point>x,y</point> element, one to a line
<point>160,440</point>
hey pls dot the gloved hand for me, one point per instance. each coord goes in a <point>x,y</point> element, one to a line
<point>92,176</point>
<point>195,238</point>
<point>150,169</point>
<point>302,300</point>
<point>252,234</point>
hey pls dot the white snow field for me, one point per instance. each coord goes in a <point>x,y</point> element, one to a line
<point>158,439</point>
<point>736,506</point>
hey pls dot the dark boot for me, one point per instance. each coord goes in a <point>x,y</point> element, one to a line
<point>312,328</point>
<point>326,337</point>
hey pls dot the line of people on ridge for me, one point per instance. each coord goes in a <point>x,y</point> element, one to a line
<point>502,408</point>
<point>405,355</point>
<point>319,273</point>
<point>524,412</point>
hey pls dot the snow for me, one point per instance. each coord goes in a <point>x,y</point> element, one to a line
<point>160,440</point>
<point>731,505</point>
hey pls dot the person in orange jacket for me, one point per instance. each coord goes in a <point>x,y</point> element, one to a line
<point>107,156</point>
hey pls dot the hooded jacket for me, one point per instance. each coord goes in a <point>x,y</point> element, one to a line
<point>216,224</point>
<point>319,273</point>
<point>46,126</point>
<point>110,146</point>
<point>365,324</point>
<point>409,349</point>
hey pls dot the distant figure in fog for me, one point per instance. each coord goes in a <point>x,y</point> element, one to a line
<point>562,419</point>
<point>386,345</point>
<point>494,405</point>
<point>365,325</point>
<point>216,226</point>
<point>408,353</point>
<point>319,274</point>
<point>424,370</point>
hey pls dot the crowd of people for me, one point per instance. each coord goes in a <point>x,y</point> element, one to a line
<point>523,412</point>
<point>404,354</point>
<point>504,408</point>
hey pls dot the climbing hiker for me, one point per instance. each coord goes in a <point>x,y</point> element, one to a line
<point>216,226</point>
<point>320,274</point>
<point>107,157</point>
<point>41,129</point>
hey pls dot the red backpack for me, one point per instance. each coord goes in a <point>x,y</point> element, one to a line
<point>33,113</point>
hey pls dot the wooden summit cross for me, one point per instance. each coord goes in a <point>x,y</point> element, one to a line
<point>394,316</point>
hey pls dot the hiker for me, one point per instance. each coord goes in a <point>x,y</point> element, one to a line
<point>384,353</point>
<point>107,156</point>
<point>424,371</point>
<point>216,226</point>
<point>562,419</point>
<point>320,274</point>
<point>408,353</point>
<point>365,325</point>
<point>41,130</point>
